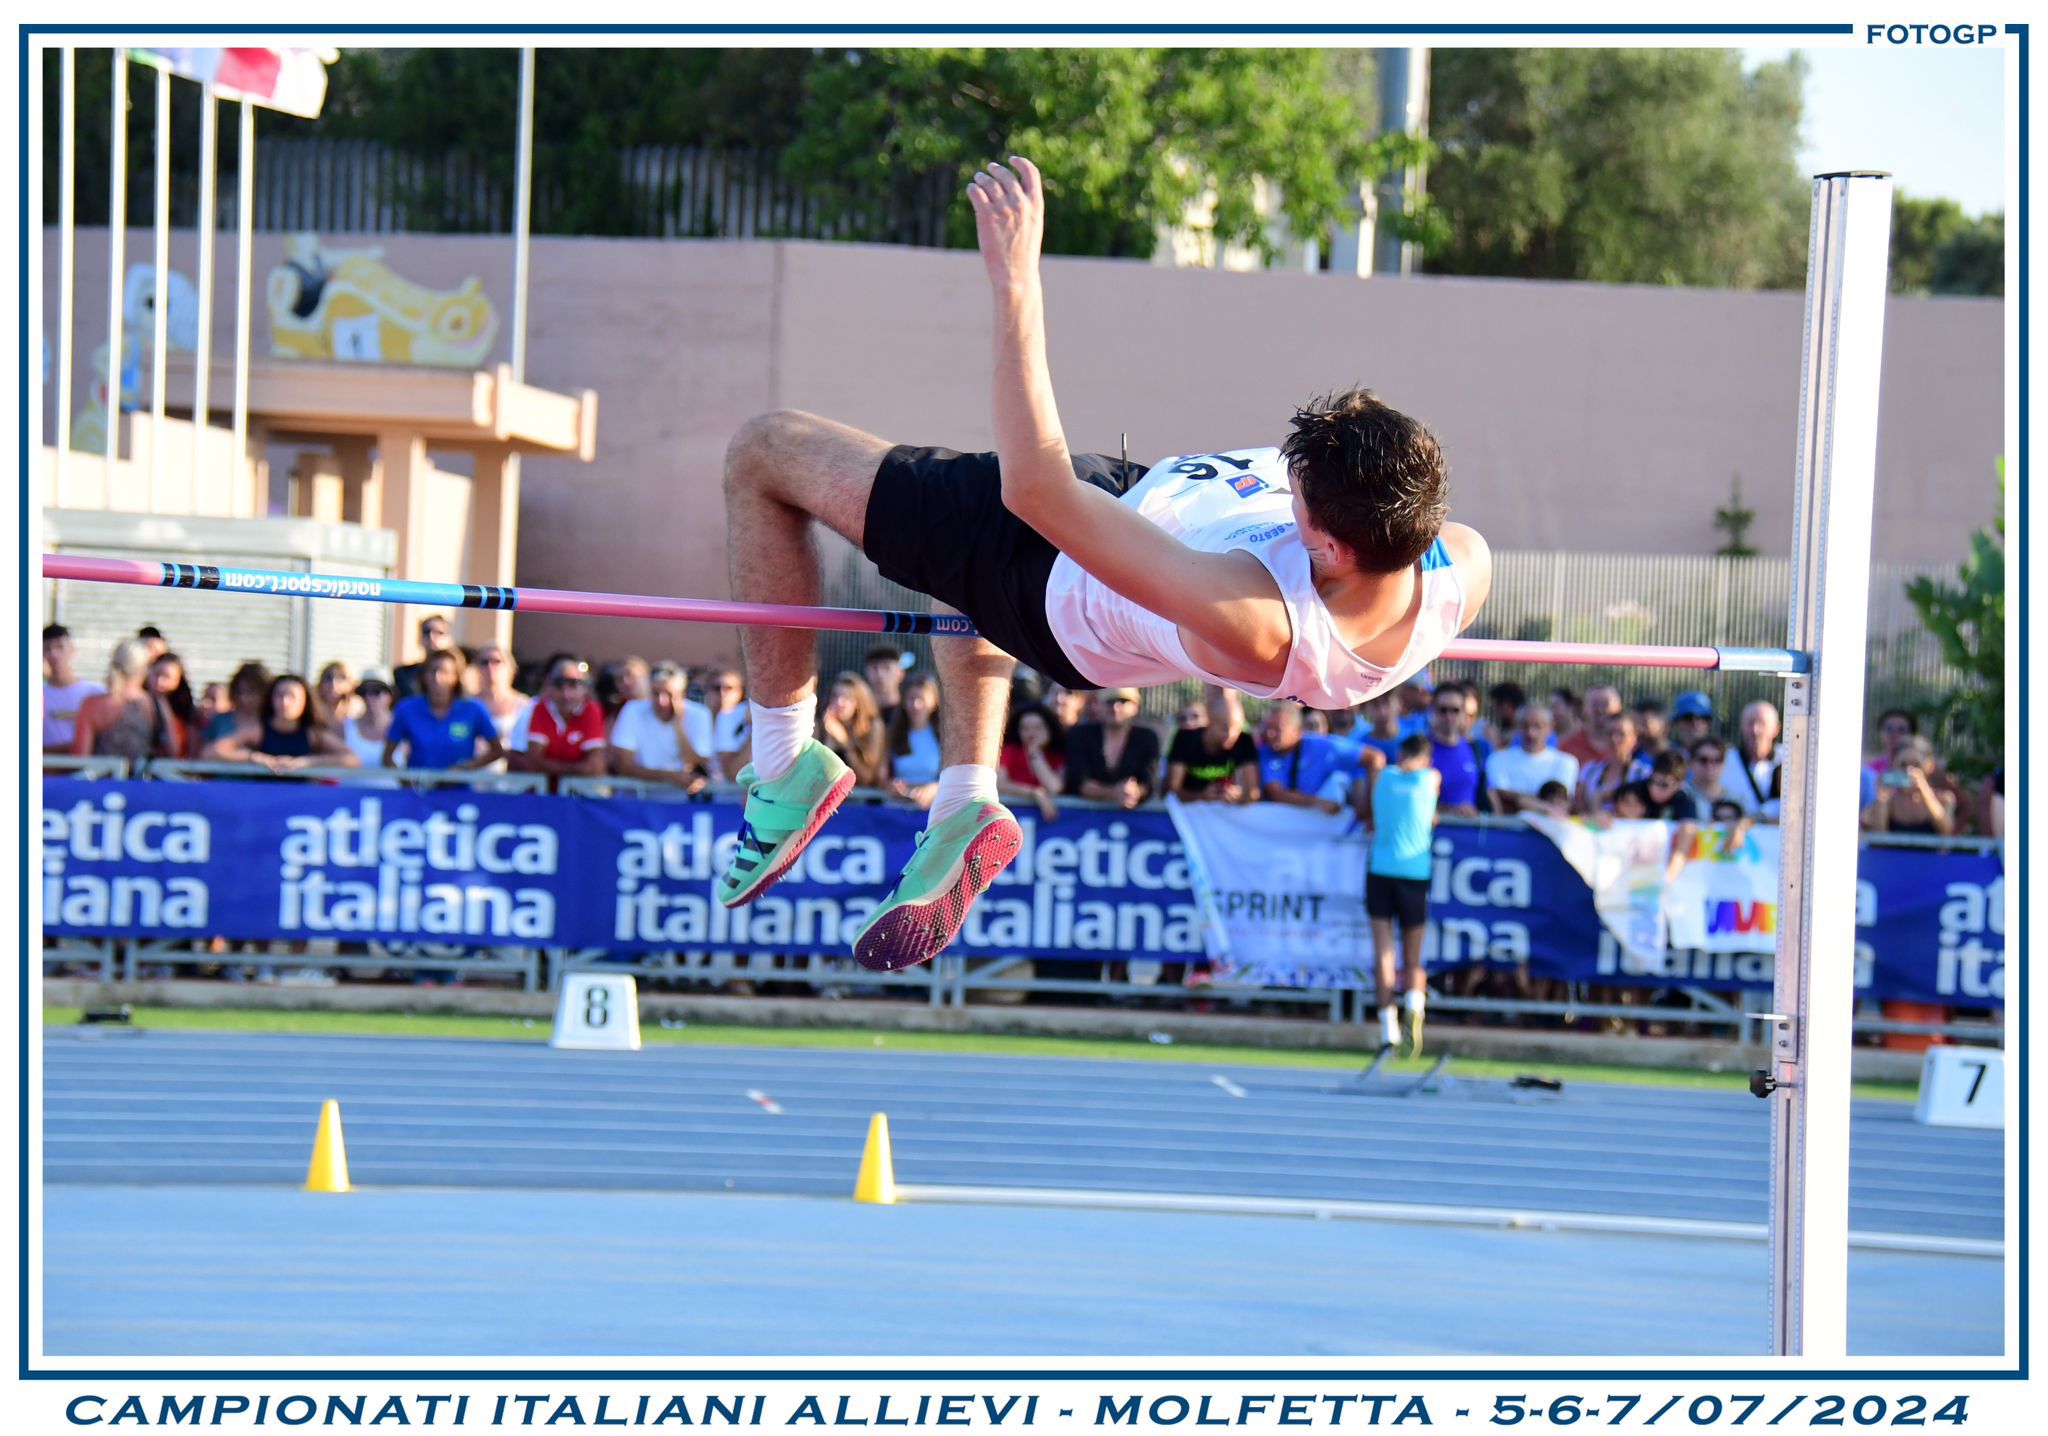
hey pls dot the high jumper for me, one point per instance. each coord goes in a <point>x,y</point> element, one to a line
<point>1321,570</point>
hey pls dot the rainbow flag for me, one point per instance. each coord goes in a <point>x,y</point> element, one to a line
<point>294,81</point>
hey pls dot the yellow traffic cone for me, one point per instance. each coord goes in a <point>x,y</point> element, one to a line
<point>329,1169</point>
<point>877,1179</point>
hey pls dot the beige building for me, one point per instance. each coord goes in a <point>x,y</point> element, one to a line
<point>1578,418</point>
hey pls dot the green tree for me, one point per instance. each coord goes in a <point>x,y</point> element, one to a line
<point>1622,166</point>
<point>1967,618</point>
<point>93,129</point>
<point>1920,227</point>
<point>1734,519</point>
<point>1972,260</point>
<point>588,104</point>
<point>1937,249</point>
<point>1128,138</point>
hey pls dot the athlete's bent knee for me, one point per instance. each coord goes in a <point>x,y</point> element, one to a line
<point>762,445</point>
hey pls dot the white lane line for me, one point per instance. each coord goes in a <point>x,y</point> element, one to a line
<point>1227,1085</point>
<point>1420,1213</point>
<point>764,1101</point>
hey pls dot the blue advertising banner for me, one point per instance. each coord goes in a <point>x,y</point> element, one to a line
<point>1931,926</point>
<point>1090,884</point>
<point>287,860</point>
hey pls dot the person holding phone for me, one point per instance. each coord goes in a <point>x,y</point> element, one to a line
<point>1907,800</point>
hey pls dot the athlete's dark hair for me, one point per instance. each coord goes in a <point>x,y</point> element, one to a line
<point>1370,477</point>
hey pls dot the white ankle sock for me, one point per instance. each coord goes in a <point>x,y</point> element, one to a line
<point>1411,1000</point>
<point>780,734</point>
<point>961,786</point>
<point>1390,1031</point>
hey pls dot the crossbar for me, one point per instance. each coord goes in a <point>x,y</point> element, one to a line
<point>275,583</point>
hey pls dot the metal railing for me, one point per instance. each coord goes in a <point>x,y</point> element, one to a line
<point>184,770</point>
<point>76,766</point>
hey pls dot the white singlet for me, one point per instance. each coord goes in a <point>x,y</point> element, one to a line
<point>1218,503</point>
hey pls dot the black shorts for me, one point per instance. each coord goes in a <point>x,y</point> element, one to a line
<point>936,523</point>
<point>1403,900</point>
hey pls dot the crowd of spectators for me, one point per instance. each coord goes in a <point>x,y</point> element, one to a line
<point>1500,752</point>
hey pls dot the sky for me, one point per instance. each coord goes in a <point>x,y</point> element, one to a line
<point>1933,117</point>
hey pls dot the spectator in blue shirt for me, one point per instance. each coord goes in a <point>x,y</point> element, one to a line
<point>438,727</point>
<point>1459,757</point>
<point>914,742</point>
<point>1304,770</point>
<point>1414,696</point>
<point>1380,725</point>
<point>1397,875</point>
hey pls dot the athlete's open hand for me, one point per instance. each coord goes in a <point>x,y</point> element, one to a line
<point>1009,221</point>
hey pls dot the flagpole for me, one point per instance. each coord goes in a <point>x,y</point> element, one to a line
<point>67,275</point>
<point>202,357</point>
<point>117,235</point>
<point>522,212</point>
<point>245,283</point>
<point>160,304</point>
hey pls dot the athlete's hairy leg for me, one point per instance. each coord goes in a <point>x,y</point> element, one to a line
<point>783,472</point>
<point>974,697</point>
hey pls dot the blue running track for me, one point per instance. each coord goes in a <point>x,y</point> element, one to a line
<point>519,1201</point>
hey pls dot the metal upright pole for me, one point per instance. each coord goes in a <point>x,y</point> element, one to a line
<point>1404,107</point>
<point>522,213</point>
<point>117,236</point>
<point>245,283</point>
<point>202,356</point>
<point>1808,1080</point>
<point>160,302</point>
<point>67,273</point>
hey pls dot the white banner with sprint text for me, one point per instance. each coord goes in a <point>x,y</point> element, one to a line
<point>1282,895</point>
<point>1281,891</point>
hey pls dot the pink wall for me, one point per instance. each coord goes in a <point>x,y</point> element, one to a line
<point>1581,417</point>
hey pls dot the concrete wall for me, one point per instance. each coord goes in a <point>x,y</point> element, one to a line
<point>1578,417</point>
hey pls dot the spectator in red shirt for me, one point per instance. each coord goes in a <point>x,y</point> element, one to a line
<point>565,735</point>
<point>1594,741</point>
<point>1034,758</point>
<point>1564,715</point>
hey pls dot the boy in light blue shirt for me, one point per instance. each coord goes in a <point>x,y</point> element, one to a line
<point>1397,876</point>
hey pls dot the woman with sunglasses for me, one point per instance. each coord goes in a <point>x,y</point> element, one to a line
<point>505,703</point>
<point>365,733</point>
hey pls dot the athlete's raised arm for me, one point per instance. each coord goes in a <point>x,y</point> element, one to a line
<point>1107,538</point>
